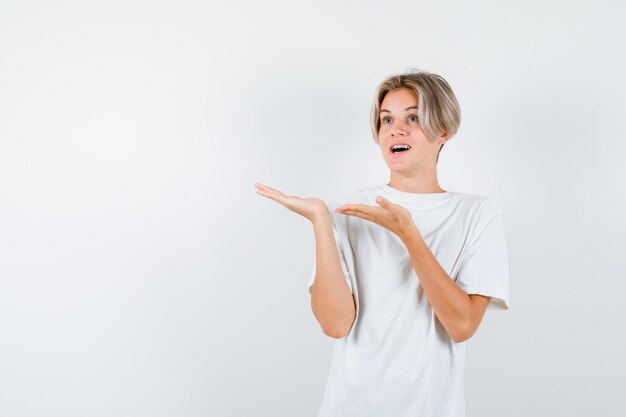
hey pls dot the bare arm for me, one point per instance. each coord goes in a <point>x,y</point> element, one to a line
<point>331,300</point>
<point>459,313</point>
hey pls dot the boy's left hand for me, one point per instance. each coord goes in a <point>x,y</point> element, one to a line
<point>389,215</point>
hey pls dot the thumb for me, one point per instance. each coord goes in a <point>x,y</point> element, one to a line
<point>383,202</point>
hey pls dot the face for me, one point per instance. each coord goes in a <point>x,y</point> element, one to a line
<point>399,124</point>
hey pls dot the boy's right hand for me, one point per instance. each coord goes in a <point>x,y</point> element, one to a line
<point>311,208</point>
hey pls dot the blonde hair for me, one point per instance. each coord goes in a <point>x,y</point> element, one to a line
<point>438,111</point>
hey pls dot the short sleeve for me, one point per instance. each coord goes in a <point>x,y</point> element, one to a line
<point>485,269</point>
<point>342,262</point>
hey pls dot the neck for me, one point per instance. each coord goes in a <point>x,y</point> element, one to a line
<point>417,184</point>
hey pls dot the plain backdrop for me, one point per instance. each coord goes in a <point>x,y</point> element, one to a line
<point>140,273</point>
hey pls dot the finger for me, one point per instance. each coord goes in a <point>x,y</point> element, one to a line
<point>264,192</point>
<point>276,197</point>
<point>269,189</point>
<point>361,214</point>
<point>263,186</point>
<point>365,217</point>
<point>383,202</point>
<point>361,208</point>
<point>354,207</point>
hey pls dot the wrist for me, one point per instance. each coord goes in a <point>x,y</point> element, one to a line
<point>321,217</point>
<point>410,235</point>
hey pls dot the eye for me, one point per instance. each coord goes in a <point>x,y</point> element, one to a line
<point>413,118</point>
<point>385,118</point>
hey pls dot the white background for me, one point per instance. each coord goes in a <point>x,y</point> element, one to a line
<point>140,273</point>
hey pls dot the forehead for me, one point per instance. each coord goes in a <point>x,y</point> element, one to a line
<point>399,99</point>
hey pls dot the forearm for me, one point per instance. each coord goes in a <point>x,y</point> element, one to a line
<point>331,299</point>
<point>451,304</point>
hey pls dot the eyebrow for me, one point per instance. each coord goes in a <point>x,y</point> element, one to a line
<point>408,108</point>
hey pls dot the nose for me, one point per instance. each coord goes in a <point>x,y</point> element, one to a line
<point>398,129</point>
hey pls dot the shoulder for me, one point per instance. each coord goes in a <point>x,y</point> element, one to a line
<point>487,221</point>
<point>482,205</point>
<point>478,211</point>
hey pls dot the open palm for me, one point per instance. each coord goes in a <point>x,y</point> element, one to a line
<point>311,208</point>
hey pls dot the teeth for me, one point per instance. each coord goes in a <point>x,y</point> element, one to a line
<point>394,147</point>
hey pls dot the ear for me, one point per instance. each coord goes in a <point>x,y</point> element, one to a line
<point>443,139</point>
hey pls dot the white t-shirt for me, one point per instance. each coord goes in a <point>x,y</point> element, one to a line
<point>398,360</point>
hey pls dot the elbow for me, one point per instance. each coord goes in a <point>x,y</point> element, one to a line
<point>462,334</point>
<point>335,322</point>
<point>335,334</point>
<point>459,338</point>
<point>338,330</point>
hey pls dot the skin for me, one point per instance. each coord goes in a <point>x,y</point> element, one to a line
<point>332,303</point>
<point>414,172</point>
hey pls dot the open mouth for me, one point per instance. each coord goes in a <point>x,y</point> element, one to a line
<point>400,147</point>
